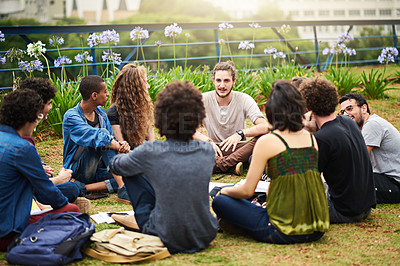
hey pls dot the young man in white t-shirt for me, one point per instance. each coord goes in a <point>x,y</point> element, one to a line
<point>226,113</point>
<point>383,144</point>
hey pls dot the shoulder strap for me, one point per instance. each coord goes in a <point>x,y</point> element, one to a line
<point>312,140</point>
<point>107,256</point>
<point>284,142</point>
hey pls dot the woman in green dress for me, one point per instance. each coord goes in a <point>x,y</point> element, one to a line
<point>296,209</point>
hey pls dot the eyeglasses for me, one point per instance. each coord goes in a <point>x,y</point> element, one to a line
<point>347,109</point>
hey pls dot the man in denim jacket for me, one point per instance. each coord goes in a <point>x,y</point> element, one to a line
<point>89,144</point>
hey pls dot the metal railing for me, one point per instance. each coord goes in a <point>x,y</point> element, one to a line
<point>25,32</point>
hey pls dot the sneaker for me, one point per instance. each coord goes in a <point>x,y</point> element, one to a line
<point>237,169</point>
<point>123,196</point>
<point>83,204</point>
<point>127,221</point>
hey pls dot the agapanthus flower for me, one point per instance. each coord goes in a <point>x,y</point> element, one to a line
<point>326,51</point>
<point>187,35</point>
<point>225,26</point>
<point>109,36</point>
<point>172,30</point>
<point>284,29</point>
<point>337,48</point>
<point>254,25</point>
<point>2,59</point>
<point>31,66</point>
<point>279,54</point>
<point>158,43</point>
<point>387,55</point>
<point>93,39</point>
<point>345,37</point>
<point>139,33</point>
<point>15,53</point>
<point>349,51</point>
<point>111,56</point>
<point>2,39</point>
<point>221,41</point>
<point>246,45</point>
<point>85,56</point>
<point>56,41</point>
<point>62,60</point>
<point>270,50</point>
<point>35,49</point>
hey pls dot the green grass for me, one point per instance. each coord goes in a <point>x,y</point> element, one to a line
<point>373,241</point>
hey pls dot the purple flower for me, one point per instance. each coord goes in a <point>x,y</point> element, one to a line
<point>85,56</point>
<point>93,39</point>
<point>111,56</point>
<point>270,50</point>
<point>2,59</point>
<point>254,25</point>
<point>337,48</point>
<point>172,30</point>
<point>2,39</point>
<point>56,41</point>
<point>246,45</point>
<point>31,66</point>
<point>326,51</point>
<point>109,36</point>
<point>221,41</point>
<point>349,51</point>
<point>158,43</point>
<point>388,54</point>
<point>225,26</point>
<point>62,60</point>
<point>279,55</point>
<point>345,37</point>
<point>139,33</point>
<point>15,53</point>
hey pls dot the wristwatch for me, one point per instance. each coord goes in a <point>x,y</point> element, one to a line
<point>241,133</point>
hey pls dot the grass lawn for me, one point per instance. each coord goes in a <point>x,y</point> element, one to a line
<point>373,241</point>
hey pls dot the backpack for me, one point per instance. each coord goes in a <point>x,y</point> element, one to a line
<point>124,246</point>
<point>55,239</point>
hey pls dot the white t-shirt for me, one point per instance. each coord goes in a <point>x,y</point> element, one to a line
<point>222,122</point>
<point>385,138</point>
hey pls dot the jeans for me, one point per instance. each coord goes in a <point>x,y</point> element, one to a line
<point>387,189</point>
<point>68,189</point>
<point>242,153</point>
<point>336,217</point>
<point>141,194</point>
<point>254,220</point>
<point>87,169</point>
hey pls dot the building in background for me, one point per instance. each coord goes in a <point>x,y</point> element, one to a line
<point>41,10</point>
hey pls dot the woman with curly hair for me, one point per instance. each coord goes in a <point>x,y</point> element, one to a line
<point>131,111</point>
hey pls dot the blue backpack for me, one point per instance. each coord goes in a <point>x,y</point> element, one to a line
<point>55,239</point>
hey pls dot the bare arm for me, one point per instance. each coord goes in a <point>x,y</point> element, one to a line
<point>117,132</point>
<point>369,148</point>
<point>150,134</point>
<point>201,137</point>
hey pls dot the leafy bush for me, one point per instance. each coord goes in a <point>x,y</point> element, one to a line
<point>375,84</point>
<point>344,79</point>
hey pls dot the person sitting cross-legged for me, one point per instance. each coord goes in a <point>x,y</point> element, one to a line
<point>296,209</point>
<point>89,143</point>
<point>167,182</point>
<point>21,168</point>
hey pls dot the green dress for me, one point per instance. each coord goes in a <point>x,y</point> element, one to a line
<point>296,201</point>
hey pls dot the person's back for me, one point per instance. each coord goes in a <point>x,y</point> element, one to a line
<point>344,160</point>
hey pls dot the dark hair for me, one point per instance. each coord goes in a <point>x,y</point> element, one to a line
<point>179,111</point>
<point>297,81</point>
<point>360,99</point>
<point>320,95</point>
<point>90,84</point>
<point>20,106</point>
<point>225,66</point>
<point>285,107</point>
<point>42,86</point>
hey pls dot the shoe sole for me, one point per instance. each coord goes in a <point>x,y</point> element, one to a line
<point>124,201</point>
<point>123,220</point>
<point>239,168</point>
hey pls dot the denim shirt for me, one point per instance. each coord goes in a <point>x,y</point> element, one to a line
<point>77,132</point>
<point>21,172</point>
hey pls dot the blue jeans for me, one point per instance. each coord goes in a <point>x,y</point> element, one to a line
<point>254,220</point>
<point>68,189</point>
<point>87,168</point>
<point>141,194</point>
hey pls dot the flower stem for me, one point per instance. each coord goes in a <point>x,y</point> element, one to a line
<point>48,67</point>
<point>173,42</point>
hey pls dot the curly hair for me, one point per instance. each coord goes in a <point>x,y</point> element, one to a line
<point>179,111</point>
<point>133,103</point>
<point>90,84</point>
<point>20,106</point>
<point>225,66</point>
<point>285,107</point>
<point>321,96</point>
<point>42,86</point>
<point>360,99</point>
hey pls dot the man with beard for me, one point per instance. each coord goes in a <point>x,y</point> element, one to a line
<point>383,144</point>
<point>226,114</point>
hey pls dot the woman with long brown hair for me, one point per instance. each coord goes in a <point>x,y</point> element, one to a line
<point>131,111</point>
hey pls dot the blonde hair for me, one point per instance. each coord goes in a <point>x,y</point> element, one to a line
<point>133,103</point>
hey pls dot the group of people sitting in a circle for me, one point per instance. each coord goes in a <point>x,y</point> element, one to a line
<point>323,167</point>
